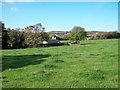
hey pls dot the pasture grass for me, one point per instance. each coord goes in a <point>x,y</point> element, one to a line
<point>93,64</point>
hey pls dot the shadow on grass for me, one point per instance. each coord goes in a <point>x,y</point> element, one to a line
<point>87,43</point>
<point>9,62</point>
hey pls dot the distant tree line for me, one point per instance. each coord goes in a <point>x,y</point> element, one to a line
<point>31,36</point>
<point>106,35</point>
<point>76,34</point>
<point>34,35</point>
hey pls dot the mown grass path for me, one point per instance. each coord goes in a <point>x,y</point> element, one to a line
<point>93,64</point>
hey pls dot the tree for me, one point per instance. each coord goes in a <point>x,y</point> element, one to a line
<point>28,28</point>
<point>77,34</point>
<point>5,37</point>
<point>107,35</point>
<point>66,36</point>
<point>34,28</point>
<point>38,27</point>
<point>16,38</point>
<point>35,35</point>
<point>2,26</point>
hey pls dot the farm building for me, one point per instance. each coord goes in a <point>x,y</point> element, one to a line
<point>51,41</point>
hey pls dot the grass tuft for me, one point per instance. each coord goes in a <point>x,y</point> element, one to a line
<point>50,66</point>
<point>58,61</point>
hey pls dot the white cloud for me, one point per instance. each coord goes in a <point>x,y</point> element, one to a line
<point>13,9</point>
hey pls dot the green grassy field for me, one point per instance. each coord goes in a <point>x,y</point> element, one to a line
<point>93,64</point>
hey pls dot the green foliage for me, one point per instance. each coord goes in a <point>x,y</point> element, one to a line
<point>107,35</point>
<point>78,34</point>
<point>5,38</point>
<point>35,39</point>
<point>16,38</point>
<point>4,35</point>
<point>32,36</point>
<point>2,26</point>
<point>92,64</point>
<point>66,36</point>
<point>34,28</point>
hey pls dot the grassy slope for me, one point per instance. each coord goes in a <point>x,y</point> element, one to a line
<point>91,64</point>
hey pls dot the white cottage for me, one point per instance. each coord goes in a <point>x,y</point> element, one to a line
<point>51,41</point>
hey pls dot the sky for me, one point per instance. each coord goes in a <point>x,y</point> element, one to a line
<point>93,16</point>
